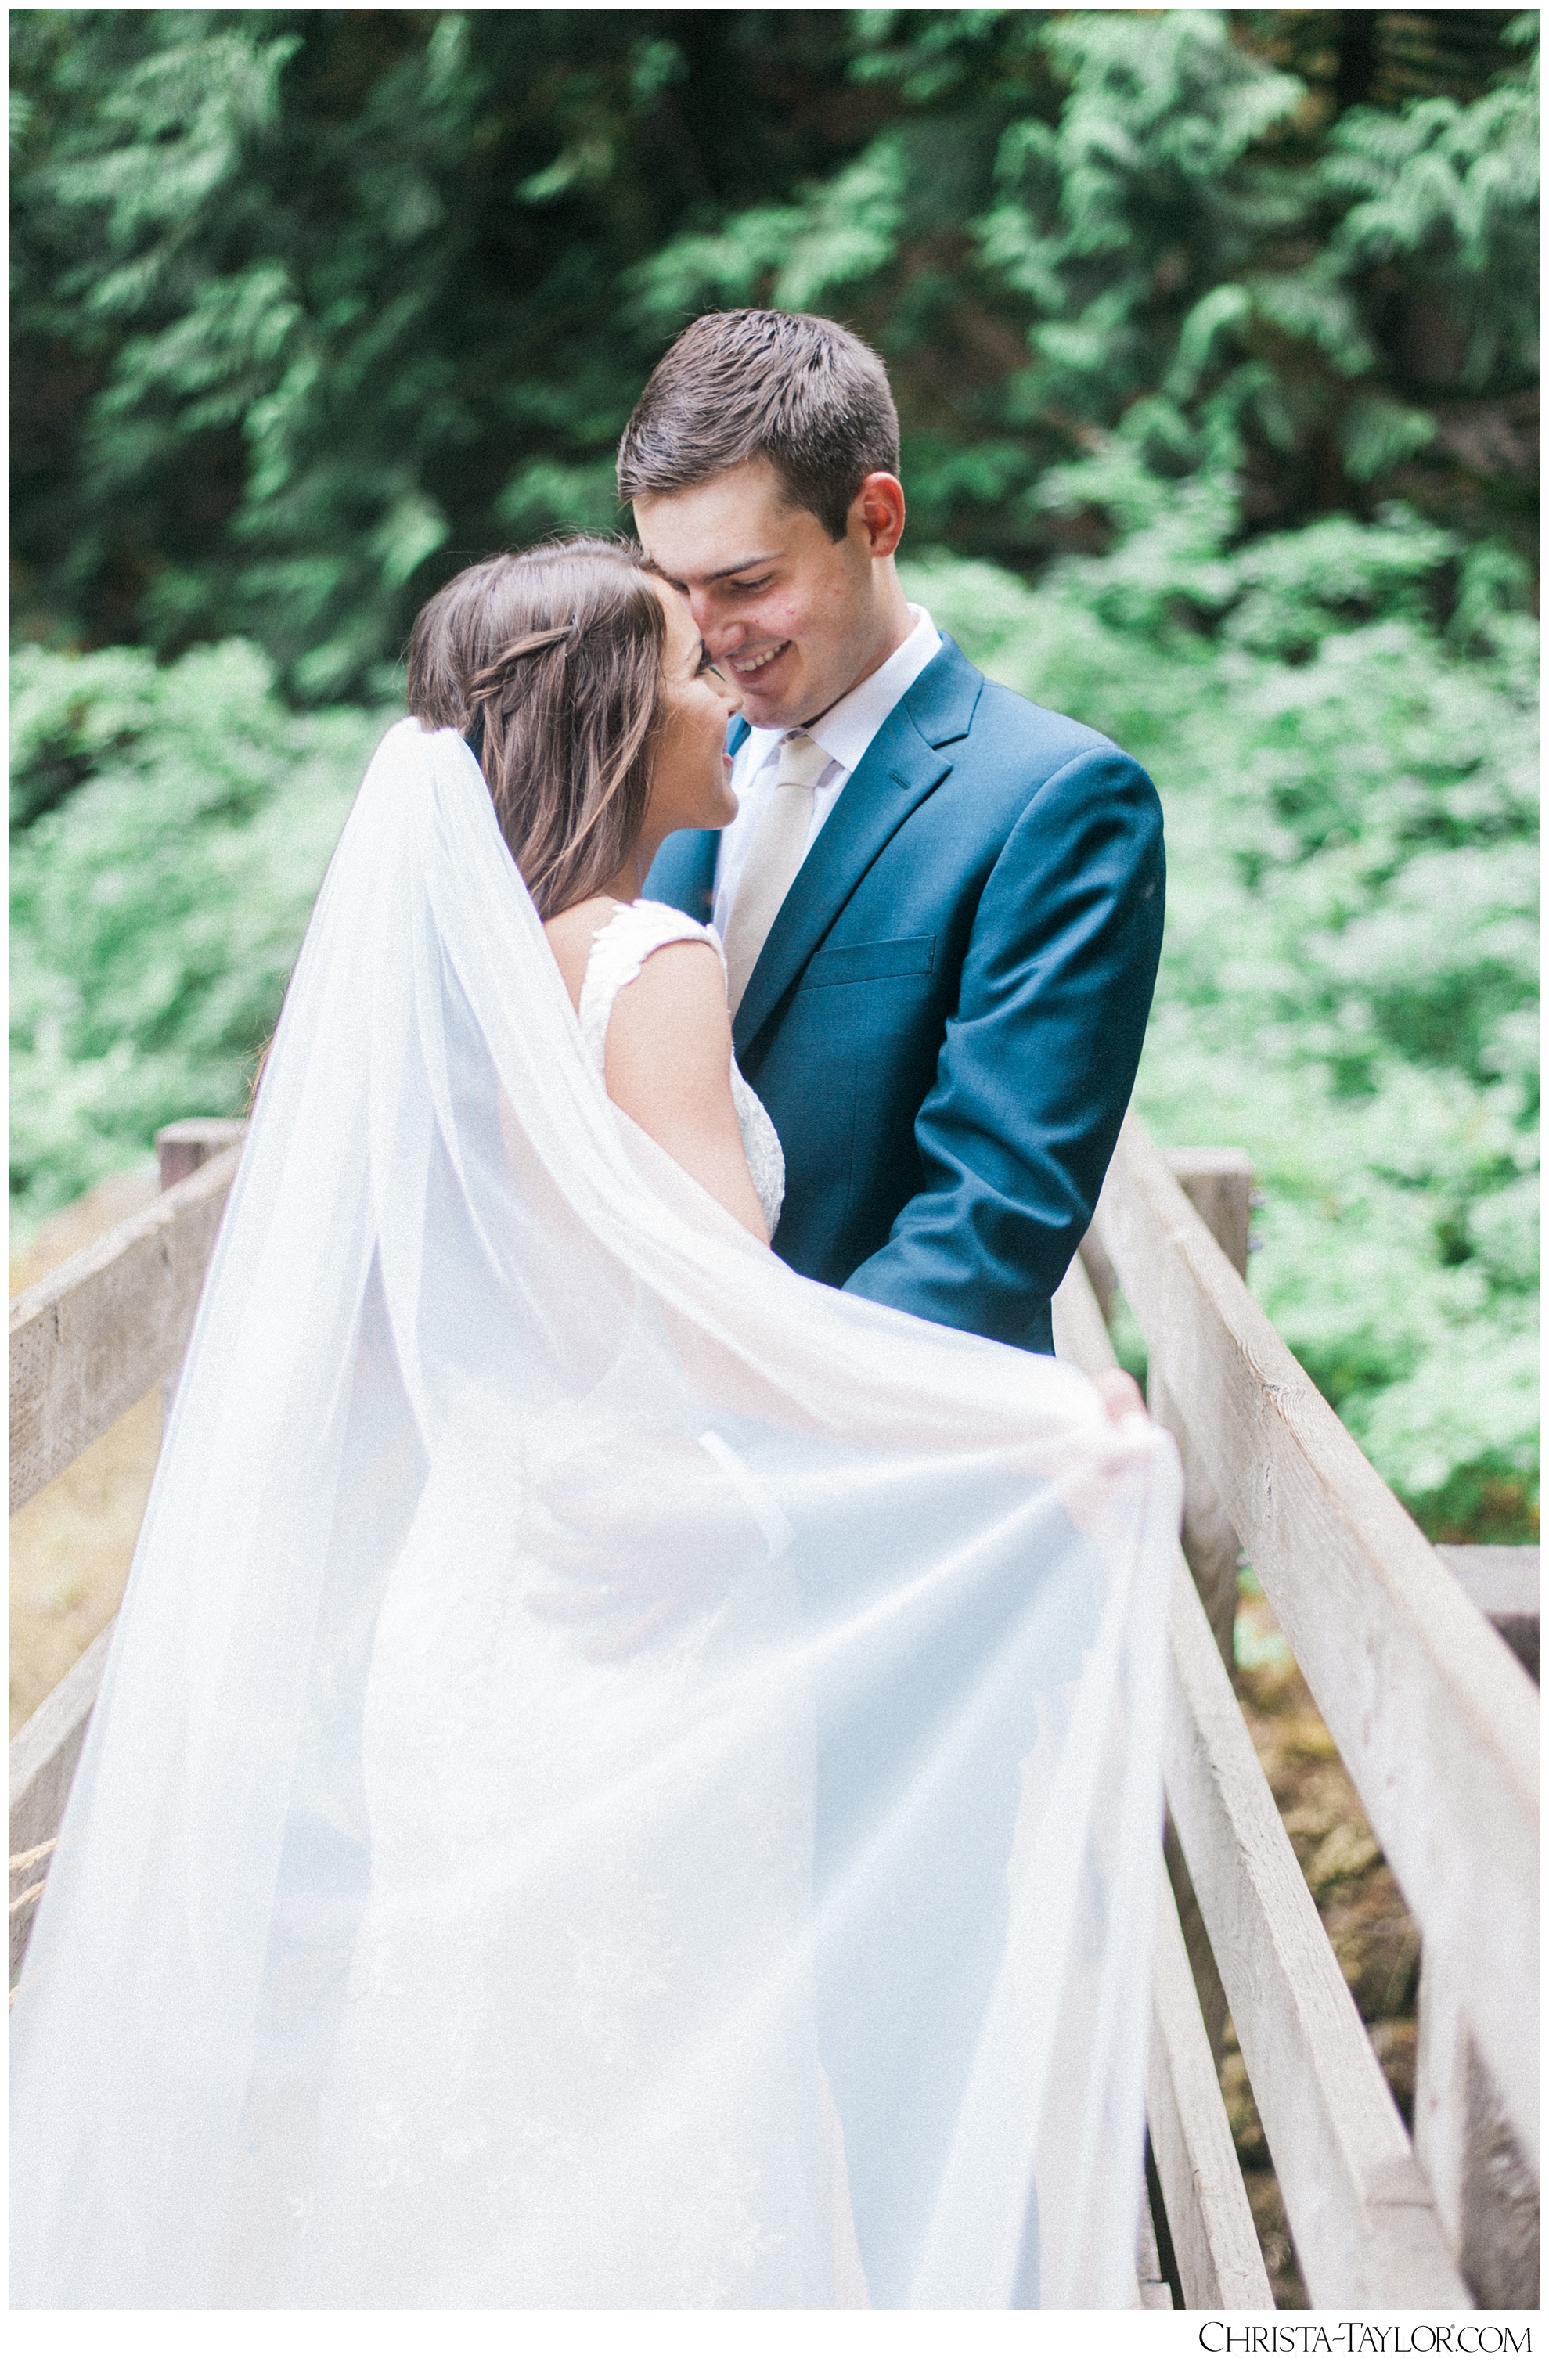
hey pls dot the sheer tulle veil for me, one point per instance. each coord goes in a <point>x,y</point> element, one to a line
<point>626,1778</point>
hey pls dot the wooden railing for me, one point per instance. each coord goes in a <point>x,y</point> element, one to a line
<point>1436,1720</point>
<point>86,1342</point>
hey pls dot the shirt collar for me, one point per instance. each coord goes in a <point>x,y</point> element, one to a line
<point>845,730</point>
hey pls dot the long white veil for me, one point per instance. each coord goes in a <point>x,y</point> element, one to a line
<point>626,1778</point>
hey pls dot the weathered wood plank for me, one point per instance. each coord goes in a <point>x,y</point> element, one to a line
<point>1486,2196</point>
<point>1152,2293</point>
<point>1215,2245</point>
<point>1435,1719</point>
<point>92,1336</point>
<point>184,1146</point>
<point>1506,1583</point>
<point>1218,1184</point>
<point>1210,1542</point>
<point>1359,2208</point>
<point>43,1757</point>
<point>1093,1257</point>
<point>1081,1337</point>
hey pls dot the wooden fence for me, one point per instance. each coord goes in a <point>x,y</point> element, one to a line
<point>1433,1716</point>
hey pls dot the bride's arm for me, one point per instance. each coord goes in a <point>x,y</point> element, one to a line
<point>668,1065</point>
<point>669,1068</point>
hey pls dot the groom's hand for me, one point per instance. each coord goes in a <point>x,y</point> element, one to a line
<point>1121,1397</point>
<point>651,1524</point>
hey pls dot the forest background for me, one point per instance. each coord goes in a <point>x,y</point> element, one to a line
<point>1215,341</point>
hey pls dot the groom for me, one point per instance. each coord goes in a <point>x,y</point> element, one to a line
<point>941,906</point>
<point>942,913</point>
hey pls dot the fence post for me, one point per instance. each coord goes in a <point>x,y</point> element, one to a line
<point>181,1149</point>
<point>1432,1716</point>
<point>1486,2194</point>
<point>1218,1183</point>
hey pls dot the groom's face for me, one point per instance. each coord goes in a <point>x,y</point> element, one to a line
<point>792,617</point>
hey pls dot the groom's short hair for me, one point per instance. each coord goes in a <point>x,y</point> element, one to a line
<point>796,388</point>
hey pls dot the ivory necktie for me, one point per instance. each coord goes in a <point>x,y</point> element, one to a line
<point>774,852</point>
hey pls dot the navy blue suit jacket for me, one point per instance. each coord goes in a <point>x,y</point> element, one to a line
<point>945,1020</point>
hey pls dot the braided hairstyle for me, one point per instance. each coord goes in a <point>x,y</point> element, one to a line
<point>550,663</point>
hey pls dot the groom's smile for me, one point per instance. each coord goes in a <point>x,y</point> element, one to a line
<point>751,665</point>
<point>795,616</point>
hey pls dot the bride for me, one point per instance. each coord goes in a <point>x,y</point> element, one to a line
<point>625,1777</point>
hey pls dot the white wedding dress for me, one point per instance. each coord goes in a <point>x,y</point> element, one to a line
<point>588,1703</point>
<point>577,2129</point>
<point>520,1754</point>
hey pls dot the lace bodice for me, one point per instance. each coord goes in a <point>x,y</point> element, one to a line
<point>619,949</point>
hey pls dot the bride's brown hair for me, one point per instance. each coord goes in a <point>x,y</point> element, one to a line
<point>550,663</point>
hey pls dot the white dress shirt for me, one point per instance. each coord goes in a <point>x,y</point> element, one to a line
<point>843,733</point>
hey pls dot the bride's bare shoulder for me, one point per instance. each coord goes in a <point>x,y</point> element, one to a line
<point>663,951</point>
<point>570,938</point>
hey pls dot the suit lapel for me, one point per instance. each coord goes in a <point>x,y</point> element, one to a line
<point>683,872</point>
<point>903,764</point>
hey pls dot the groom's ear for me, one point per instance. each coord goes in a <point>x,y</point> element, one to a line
<point>877,513</point>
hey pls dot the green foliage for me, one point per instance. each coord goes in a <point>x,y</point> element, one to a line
<point>179,823</point>
<point>1110,216</point>
<point>1224,322</point>
<point>311,305</point>
<point>1348,984</point>
<point>1450,192</point>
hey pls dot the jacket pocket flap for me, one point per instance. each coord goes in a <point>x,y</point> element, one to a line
<point>864,962</point>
